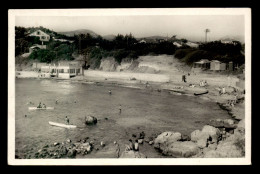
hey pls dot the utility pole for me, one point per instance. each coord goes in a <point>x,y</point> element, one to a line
<point>206,31</point>
<point>79,44</point>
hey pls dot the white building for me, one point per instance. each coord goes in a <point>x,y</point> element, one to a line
<point>62,40</point>
<point>142,41</point>
<point>61,71</point>
<point>43,36</point>
<point>192,44</point>
<point>216,65</point>
<point>177,44</point>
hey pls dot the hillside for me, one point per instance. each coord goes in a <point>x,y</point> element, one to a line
<point>81,31</point>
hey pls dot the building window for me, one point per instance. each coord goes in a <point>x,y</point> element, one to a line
<point>43,37</point>
<point>38,33</point>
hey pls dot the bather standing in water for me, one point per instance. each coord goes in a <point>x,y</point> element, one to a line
<point>40,105</point>
<point>117,149</point>
<point>67,120</point>
<point>109,92</point>
<point>120,109</point>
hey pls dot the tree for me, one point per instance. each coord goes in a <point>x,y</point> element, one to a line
<point>86,56</point>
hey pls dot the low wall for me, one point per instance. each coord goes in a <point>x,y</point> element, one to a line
<point>26,74</point>
<point>127,76</point>
<point>64,75</point>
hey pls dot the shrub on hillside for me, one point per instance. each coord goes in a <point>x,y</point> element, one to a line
<point>132,54</point>
<point>43,55</point>
<point>196,56</point>
<point>181,53</point>
<point>120,54</point>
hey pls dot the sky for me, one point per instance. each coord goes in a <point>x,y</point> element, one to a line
<point>191,27</point>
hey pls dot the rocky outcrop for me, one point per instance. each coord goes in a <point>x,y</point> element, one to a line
<point>132,154</point>
<point>172,144</point>
<point>213,133</point>
<point>232,147</point>
<point>181,149</point>
<point>207,135</point>
<point>166,138</point>
<point>90,120</point>
<point>65,149</point>
<point>210,142</point>
<point>108,64</point>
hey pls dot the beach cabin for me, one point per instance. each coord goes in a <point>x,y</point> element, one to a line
<point>216,65</point>
<point>202,64</point>
<point>66,71</point>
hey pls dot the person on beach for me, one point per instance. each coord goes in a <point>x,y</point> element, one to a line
<point>56,101</point>
<point>183,78</point>
<point>131,144</point>
<point>109,92</point>
<point>146,84</point>
<point>117,149</point>
<point>40,105</point>
<point>136,146</point>
<point>67,120</point>
<point>120,109</point>
<point>43,105</point>
<point>223,90</point>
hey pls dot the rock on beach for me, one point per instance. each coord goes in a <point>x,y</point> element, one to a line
<point>90,120</point>
<point>166,138</point>
<point>181,149</point>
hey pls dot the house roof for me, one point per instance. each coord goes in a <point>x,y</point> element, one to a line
<point>202,61</point>
<point>42,33</point>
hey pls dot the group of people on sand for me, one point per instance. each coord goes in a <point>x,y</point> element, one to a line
<point>203,83</point>
<point>232,102</point>
<point>40,105</point>
<point>222,91</point>
<point>132,146</point>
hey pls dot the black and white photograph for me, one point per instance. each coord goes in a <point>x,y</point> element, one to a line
<point>133,86</point>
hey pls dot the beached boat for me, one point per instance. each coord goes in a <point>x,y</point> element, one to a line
<point>35,108</point>
<point>201,93</point>
<point>62,125</point>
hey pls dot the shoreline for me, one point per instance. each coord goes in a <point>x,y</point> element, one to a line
<point>178,88</point>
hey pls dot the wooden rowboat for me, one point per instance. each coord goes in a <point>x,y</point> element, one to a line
<point>200,93</point>
<point>35,108</point>
<point>62,125</point>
